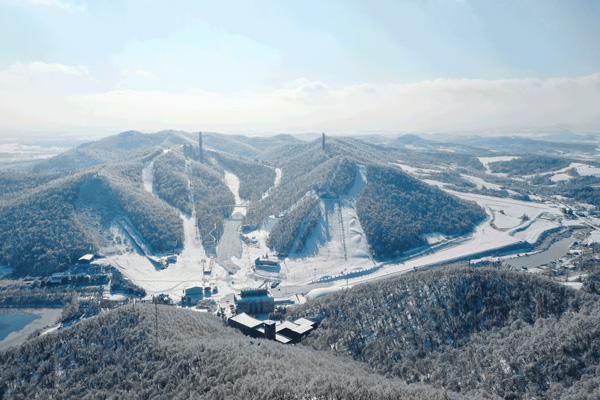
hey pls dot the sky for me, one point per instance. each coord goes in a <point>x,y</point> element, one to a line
<point>93,68</point>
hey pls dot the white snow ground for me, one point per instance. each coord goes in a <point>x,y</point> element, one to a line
<point>582,169</point>
<point>481,183</point>
<point>233,183</point>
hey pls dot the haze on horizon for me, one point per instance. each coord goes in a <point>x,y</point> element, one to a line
<point>95,68</point>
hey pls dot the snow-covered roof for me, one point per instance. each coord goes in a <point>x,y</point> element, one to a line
<point>246,320</point>
<point>299,329</point>
<point>304,321</point>
<point>282,339</point>
<point>86,257</point>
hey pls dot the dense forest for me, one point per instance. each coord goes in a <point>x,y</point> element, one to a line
<point>255,178</point>
<point>116,148</point>
<point>508,334</point>
<point>46,229</point>
<point>299,176</point>
<point>39,231</point>
<point>396,210</point>
<point>291,230</point>
<point>13,182</point>
<point>213,202</point>
<point>120,354</point>
<point>171,182</point>
<point>529,164</point>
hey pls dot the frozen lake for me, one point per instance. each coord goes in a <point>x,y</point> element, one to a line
<point>556,250</point>
<point>16,324</point>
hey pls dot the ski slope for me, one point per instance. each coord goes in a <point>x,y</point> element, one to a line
<point>338,243</point>
<point>186,272</point>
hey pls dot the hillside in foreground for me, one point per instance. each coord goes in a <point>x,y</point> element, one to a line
<point>507,334</point>
<point>116,355</point>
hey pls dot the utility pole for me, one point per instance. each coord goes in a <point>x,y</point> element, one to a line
<point>155,319</point>
<point>200,148</point>
<point>323,141</point>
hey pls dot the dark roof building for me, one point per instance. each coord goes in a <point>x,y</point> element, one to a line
<point>285,332</point>
<point>293,331</point>
<point>254,301</point>
<point>246,324</point>
<point>267,264</point>
<point>192,296</point>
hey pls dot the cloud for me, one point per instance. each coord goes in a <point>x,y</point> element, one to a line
<point>53,68</point>
<point>58,4</point>
<point>55,97</point>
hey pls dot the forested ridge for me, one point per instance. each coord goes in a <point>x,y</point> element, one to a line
<point>45,229</point>
<point>509,334</point>
<point>255,178</point>
<point>529,164</point>
<point>119,354</point>
<point>291,231</point>
<point>171,182</point>
<point>212,199</point>
<point>396,211</point>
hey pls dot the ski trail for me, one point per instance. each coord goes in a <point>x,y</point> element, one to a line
<point>276,183</point>
<point>193,251</point>
<point>233,183</point>
<point>230,244</point>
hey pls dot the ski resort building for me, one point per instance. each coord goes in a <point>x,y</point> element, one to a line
<point>246,324</point>
<point>192,296</point>
<point>285,332</point>
<point>295,332</point>
<point>266,263</point>
<point>254,301</point>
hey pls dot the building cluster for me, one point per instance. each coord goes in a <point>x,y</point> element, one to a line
<point>259,301</point>
<point>195,294</point>
<point>283,332</point>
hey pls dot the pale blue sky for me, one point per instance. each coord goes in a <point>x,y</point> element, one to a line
<point>297,65</point>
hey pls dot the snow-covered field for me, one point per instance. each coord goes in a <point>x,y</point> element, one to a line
<point>16,152</point>
<point>481,183</point>
<point>594,237</point>
<point>582,169</point>
<point>415,170</point>
<point>486,161</point>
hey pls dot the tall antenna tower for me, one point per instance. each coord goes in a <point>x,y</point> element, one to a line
<point>323,141</point>
<point>200,148</point>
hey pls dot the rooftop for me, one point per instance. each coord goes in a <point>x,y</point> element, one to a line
<point>246,320</point>
<point>299,329</point>
<point>253,292</point>
<point>304,321</point>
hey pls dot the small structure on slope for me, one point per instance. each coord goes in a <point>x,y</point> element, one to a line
<point>86,258</point>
